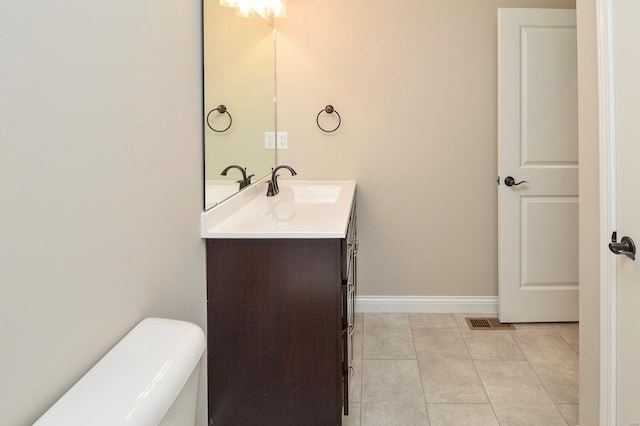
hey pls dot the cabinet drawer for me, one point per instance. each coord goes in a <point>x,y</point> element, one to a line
<point>349,287</point>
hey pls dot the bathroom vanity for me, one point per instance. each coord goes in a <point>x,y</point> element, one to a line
<point>281,284</point>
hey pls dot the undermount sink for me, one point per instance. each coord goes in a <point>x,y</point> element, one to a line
<point>316,194</point>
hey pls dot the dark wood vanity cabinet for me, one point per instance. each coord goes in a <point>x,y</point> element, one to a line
<point>280,322</point>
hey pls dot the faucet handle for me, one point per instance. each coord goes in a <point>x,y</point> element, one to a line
<point>272,189</point>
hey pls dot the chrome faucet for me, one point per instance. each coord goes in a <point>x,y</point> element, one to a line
<point>245,181</point>
<point>273,183</point>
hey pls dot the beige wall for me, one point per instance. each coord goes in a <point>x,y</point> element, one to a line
<point>415,83</point>
<point>100,179</point>
<point>589,214</point>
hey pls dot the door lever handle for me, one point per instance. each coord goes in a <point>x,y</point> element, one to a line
<point>626,246</point>
<point>510,181</point>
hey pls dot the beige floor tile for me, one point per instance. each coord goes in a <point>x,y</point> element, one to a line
<point>392,393</point>
<point>576,349</point>
<point>543,345</point>
<point>528,376</point>
<point>439,342</point>
<point>353,419</point>
<point>530,325</point>
<point>358,320</point>
<point>355,384</point>
<point>387,380</point>
<point>492,345</point>
<point>570,413</point>
<point>511,382</point>
<point>358,336</point>
<point>432,320</point>
<point>560,378</point>
<point>386,320</point>
<point>461,414</point>
<point>387,336</point>
<point>394,413</point>
<point>528,414</point>
<point>451,381</point>
<point>569,331</point>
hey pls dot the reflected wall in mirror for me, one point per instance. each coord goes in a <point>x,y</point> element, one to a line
<point>239,73</point>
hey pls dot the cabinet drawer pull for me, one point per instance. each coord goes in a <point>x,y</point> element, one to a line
<point>348,369</point>
<point>348,329</point>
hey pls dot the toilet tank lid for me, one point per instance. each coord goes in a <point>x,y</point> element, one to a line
<point>136,382</point>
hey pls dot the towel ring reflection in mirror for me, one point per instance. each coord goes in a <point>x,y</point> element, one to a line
<point>222,110</point>
<point>329,110</point>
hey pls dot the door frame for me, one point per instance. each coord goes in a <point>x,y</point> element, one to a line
<point>608,210</point>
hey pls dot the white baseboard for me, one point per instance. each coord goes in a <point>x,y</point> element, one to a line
<point>427,304</point>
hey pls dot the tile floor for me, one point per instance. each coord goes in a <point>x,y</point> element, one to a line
<point>430,369</point>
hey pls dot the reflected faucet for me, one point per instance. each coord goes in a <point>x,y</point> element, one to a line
<point>273,183</point>
<point>245,181</point>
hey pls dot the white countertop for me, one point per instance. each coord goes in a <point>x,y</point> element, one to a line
<point>216,191</point>
<point>302,209</point>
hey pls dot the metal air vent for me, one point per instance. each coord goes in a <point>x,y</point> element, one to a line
<point>488,324</point>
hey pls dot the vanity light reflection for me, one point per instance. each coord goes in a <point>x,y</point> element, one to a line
<point>264,8</point>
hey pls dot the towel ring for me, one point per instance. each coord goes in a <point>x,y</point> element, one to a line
<point>329,110</point>
<point>222,110</point>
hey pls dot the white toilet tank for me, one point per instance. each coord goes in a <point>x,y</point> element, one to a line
<point>149,378</point>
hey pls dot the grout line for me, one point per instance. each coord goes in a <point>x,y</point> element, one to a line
<point>364,330</point>
<point>473,361</point>
<point>424,394</point>
<point>565,340</point>
<point>562,414</point>
<point>538,377</point>
<point>361,366</point>
<point>462,403</point>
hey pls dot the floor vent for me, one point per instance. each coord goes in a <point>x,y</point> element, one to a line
<point>488,324</point>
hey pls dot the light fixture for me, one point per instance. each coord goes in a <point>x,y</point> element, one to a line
<point>264,8</point>
<point>245,9</point>
<point>275,8</point>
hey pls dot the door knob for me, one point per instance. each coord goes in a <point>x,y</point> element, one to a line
<point>626,246</point>
<point>510,181</point>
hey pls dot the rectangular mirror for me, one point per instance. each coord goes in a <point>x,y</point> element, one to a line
<point>239,99</point>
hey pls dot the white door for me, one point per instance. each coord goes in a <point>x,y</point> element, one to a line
<point>537,143</point>
<point>626,34</point>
